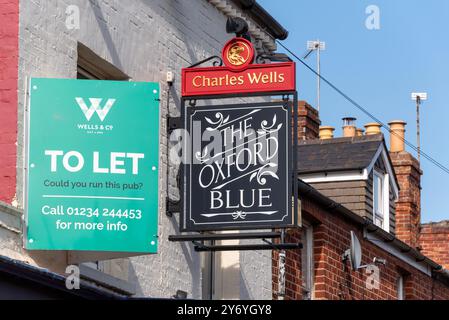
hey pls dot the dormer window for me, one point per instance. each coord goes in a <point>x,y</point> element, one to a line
<point>355,172</point>
<point>381,200</point>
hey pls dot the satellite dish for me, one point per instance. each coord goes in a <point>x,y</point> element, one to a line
<point>354,253</point>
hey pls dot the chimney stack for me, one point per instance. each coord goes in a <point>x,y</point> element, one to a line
<point>359,132</point>
<point>349,129</point>
<point>326,132</point>
<point>308,122</point>
<point>397,136</point>
<point>408,173</point>
<point>434,241</point>
<point>373,128</point>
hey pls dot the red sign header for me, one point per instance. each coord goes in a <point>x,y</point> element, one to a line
<point>238,76</point>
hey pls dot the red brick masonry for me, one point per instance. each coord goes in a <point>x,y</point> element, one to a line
<point>9,50</point>
<point>408,206</point>
<point>434,241</point>
<point>334,281</point>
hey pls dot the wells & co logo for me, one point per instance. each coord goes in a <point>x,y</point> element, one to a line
<point>95,107</point>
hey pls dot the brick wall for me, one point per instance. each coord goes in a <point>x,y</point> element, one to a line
<point>308,122</point>
<point>334,280</point>
<point>9,31</point>
<point>144,39</point>
<point>408,206</point>
<point>434,241</point>
<point>308,128</point>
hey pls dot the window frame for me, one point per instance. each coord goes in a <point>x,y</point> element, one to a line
<point>385,201</point>
<point>307,262</point>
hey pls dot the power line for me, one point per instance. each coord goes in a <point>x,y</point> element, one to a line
<point>366,112</point>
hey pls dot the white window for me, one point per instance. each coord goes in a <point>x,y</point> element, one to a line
<point>381,200</point>
<point>307,263</point>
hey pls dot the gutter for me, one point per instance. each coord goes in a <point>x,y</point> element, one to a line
<point>21,270</point>
<point>327,203</point>
<point>263,18</point>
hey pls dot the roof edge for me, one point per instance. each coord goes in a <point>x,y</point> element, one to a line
<point>53,280</point>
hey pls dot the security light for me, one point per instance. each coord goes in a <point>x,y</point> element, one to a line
<point>238,26</point>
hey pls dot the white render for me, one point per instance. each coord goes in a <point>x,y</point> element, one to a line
<point>144,39</point>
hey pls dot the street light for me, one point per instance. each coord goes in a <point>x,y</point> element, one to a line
<point>418,97</point>
<point>317,46</point>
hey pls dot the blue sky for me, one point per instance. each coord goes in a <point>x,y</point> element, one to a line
<point>379,69</point>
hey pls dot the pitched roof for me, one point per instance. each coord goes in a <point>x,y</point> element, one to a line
<point>340,154</point>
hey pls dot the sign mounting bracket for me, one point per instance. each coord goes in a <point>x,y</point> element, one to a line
<point>199,246</point>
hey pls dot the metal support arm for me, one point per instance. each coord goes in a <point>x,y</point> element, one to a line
<point>247,247</point>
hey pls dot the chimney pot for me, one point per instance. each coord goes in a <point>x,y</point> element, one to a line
<point>359,132</point>
<point>373,128</point>
<point>326,132</point>
<point>349,129</point>
<point>397,135</point>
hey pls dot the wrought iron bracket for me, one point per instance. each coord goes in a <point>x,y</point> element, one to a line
<point>174,123</point>
<point>272,57</point>
<point>217,62</point>
<point>247,247</point>
<point>173,207</point>
<point>224,236</point>
<point>199,246</point>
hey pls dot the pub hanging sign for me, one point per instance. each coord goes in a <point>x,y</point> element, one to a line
<point>238,175</point>
<point>237,172</point>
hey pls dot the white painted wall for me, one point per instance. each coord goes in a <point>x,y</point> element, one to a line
<point>144,38</point>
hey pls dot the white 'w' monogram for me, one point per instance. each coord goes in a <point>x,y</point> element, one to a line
<point>95,107</point>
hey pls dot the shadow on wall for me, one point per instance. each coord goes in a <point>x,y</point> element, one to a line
<point>133,278</point>
<point>244,292</point>
<point>190,258</point>
<point>175,10</point>
<point>102,24</point>
<point>193,262</point>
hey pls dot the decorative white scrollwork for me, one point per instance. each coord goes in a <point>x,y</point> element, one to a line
<point>221,120</point>
<point>270,128</point>
<point>239,215</point>
<point>202,157</point>
<point>262,172</point>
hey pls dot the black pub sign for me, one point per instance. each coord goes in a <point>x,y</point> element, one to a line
<point>237,168</point>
